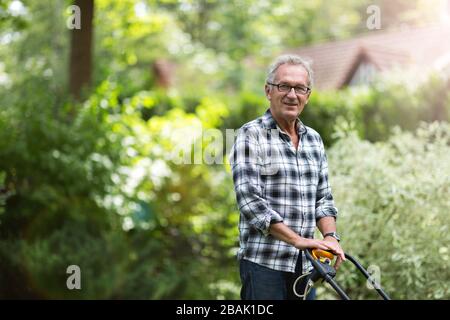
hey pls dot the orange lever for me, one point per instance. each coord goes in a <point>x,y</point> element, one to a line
<point>318,254</point>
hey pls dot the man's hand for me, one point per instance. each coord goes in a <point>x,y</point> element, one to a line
<point>327,225</point>
<point>334,246</point>
<point>328,244</point>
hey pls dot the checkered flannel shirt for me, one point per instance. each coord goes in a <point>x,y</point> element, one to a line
<point>276,183</point>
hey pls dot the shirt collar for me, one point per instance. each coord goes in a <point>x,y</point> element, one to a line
<point>270,123</point>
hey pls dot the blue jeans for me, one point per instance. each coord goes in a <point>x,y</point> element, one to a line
<point>262,283</point>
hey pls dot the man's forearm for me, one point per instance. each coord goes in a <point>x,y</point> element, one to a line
<point>282,232</point>
<point>326,225</point>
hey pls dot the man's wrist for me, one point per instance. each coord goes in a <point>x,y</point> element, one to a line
<point>333,235</point>
<point>330,238</point>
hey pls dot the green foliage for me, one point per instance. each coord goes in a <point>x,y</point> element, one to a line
<point>49,162</point>
<point>375,110</point>
<point>57,165</point>
<point>193,215</point>
<point>38,46</point>
<point>11,19</point>
<point>243,108</point>
<point>2,191</point>
<point>393,199</point>
<point>129,42</point>
<point>325,110</point>
<point>95,183</point>
<point>37,269</point>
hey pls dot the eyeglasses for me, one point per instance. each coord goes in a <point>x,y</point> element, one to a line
<point>287,88</point>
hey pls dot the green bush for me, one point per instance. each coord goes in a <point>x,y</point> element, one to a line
<point>377,109</point>
<point>393,202</point>
<point>90,185</point>
<point>57,166</point>
<point>37,269</point>
<point>326,109</point>
<point>2,191</point>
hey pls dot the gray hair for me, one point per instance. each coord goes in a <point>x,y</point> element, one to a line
<point>292,60</point>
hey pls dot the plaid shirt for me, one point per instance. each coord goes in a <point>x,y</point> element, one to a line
<point>273,183</point>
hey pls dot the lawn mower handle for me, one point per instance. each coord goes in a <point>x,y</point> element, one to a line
<point>368,277</point>
<point>333,283</point>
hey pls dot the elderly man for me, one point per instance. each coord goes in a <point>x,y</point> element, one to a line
<point>280,174</point>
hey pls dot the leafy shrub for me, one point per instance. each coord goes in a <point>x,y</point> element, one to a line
<point>91,186</point>
<point>393,202</point>
<point>376,110</point>
<point>2,191</point>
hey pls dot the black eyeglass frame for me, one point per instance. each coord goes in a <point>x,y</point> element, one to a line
<point>308,89</point>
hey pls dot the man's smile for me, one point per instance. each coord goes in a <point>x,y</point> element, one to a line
<point>292,104</point>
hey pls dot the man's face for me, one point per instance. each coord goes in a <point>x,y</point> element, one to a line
<point>288,105</point>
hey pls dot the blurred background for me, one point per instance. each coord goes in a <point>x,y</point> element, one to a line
<point>88,115</point>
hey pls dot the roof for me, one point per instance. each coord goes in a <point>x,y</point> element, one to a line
<point>335,62</point>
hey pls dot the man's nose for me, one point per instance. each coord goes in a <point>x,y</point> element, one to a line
<point>291,93</point>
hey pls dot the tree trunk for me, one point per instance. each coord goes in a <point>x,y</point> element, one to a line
<point>81,50</point>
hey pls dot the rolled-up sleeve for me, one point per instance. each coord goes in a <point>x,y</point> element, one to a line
<point>324,198</point>
<point>245,161</point>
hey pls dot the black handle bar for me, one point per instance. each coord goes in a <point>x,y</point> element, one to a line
<point>318,266</point>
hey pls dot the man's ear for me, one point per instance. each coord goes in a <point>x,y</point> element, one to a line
<point>267,91</point>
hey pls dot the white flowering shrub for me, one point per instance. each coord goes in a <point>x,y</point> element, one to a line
<point>394,203</point>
